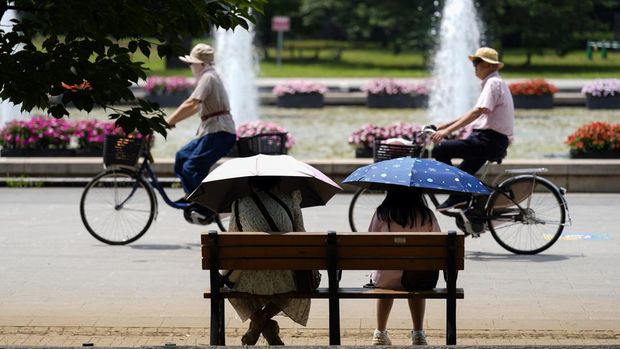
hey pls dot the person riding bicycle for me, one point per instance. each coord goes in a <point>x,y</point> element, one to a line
<point>216,134</point>
<point>492,119</point>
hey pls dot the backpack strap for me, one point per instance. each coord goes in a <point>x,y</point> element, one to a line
<point>272,225</point>
<point>237,220</point>
<point>284,207</point>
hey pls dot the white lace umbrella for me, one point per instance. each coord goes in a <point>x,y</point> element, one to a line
<point>229,181</point>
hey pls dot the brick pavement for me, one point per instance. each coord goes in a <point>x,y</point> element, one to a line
<point>64,336</point>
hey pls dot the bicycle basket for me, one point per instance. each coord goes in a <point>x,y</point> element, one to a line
<point>265,143</point>
<point>119,150</point>
<point>384,151</point>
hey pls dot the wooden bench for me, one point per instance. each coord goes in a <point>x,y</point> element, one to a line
<point>334,252</point>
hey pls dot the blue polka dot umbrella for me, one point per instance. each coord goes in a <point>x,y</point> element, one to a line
<point>427,174</point>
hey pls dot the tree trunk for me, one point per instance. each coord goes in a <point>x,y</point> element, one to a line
<point>528,59</point>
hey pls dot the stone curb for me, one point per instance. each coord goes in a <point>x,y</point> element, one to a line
<point>575,175</point>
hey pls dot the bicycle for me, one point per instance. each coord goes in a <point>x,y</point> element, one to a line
<point>517,212</point>
<point>119,204</point>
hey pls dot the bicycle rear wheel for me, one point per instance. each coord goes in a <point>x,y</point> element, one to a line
<point>363,206</point>
<point>117,207</point>
<point>532,219</point>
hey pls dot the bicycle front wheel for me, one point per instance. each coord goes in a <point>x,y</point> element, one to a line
<point>117,207</point>
<point>363,206</point>
<point>527,214</point>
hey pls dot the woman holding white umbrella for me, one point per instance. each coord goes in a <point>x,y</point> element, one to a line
<point>265,193</point>
<point>247,215</point>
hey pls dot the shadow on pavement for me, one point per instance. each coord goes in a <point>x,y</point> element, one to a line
<point>510,257</point>
<point>157,247</point>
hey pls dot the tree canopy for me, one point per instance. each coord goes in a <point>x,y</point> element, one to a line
<point>82,51</point>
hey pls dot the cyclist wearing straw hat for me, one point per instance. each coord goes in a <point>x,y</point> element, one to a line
<point>216,134</point>
<point>492,119</point>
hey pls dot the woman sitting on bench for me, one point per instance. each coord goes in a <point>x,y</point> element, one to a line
<point>403,210</point>
<point>260,211</point>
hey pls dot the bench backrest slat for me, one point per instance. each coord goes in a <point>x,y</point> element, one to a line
<point>410,251</point>
<point>345,264</point>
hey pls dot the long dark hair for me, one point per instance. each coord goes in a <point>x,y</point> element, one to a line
<point>264,183</point>
<point>404,205</point>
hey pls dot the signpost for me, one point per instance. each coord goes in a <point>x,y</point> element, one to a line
<point>280,24</point>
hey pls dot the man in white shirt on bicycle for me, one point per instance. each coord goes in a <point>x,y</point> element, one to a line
<point>492,119</point>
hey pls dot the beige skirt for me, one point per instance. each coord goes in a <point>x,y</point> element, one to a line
<point>269,282</point>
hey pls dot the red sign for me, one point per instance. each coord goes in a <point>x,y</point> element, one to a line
<point>280,23</point>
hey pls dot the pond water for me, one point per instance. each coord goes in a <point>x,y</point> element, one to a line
<point>323,133</point>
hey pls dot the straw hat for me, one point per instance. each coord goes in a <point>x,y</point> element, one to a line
<point>488,55</point>
<point>201,53</point>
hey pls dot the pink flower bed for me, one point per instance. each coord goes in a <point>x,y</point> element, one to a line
<point>169,84</point>
<point>298,86</point>
<point>249,129</point>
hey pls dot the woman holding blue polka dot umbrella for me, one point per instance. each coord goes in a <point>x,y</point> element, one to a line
<point>425,174</point>
<point>404,210</point>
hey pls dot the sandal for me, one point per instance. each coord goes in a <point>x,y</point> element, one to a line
<point>271,332</point>
<point>254,330</point>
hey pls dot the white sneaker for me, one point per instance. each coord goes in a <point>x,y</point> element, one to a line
<point>381,338</point>
<point>418,338</point>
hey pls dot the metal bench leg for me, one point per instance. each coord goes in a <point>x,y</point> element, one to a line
<point>451,285</point>
<point>334,300</point>
<point>221,325</point>
<point>334,321</point>
<point>215,321</point>
<point>451,322</point>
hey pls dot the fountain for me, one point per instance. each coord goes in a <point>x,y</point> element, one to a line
<point>455,87</point>
<point>237,64</point>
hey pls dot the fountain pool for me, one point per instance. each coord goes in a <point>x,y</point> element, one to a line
<point>323,133</point>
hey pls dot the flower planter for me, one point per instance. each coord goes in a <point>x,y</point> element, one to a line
<point>603,102</point>
<point>301,100</point>
<point>89,152</point>
<point>420,101</point>
<point>37,152</point>
<point>168,100</point>
<point>544,101</point>
<point>595,154</point>
<point>363,152</point>
<point>389,101</point>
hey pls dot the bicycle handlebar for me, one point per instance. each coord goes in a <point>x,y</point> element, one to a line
<point>430,129</point>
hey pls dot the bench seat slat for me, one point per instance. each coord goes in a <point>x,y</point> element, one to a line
<point>343,263</point>
<point>350,293</point>
<point>321,252</point>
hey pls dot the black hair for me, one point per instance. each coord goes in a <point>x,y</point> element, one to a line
<point>264,183</point>
<point>404,205</point>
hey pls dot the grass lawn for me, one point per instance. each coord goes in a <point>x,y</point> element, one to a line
<point>374,62</point>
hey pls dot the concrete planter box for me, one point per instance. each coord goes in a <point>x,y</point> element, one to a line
<point>533,102</point>
<point>598,154</point>
<point>301,100</point>
<point>420,101</point>
<point>363,152</point>
<point>606,102</point>
<point>168,100</point>
<point>389,101</point>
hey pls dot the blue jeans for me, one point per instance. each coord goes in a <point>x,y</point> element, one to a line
<point>194,160</point>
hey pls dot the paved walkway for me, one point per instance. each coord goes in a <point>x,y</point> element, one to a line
<point>60,287</point>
